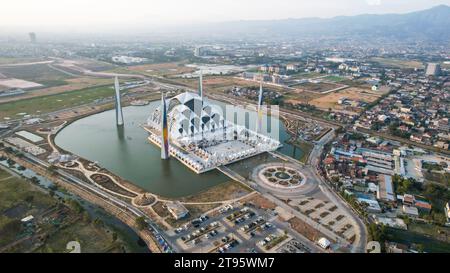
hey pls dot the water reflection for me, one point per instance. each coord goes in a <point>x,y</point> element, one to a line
<point>126,152</point>
<point>121,132</point>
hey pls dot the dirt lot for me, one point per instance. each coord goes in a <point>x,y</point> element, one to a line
<point>305,229</point>
<point>260,201</point>
<point>162,69</point>
<point>317,87</point>
<point>352,93</point>
<point>220,83</point>
<point>222,192</point>
<point>398,63</point>
<point>298,96</point>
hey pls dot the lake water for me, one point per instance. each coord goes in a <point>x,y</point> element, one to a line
<point>126,152</point>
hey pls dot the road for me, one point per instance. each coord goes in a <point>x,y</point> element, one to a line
<point>314,160</point>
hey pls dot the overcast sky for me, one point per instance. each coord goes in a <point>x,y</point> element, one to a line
<point>82,13</point>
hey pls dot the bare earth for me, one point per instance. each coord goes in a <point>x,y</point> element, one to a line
<point>352,93</point>
<point>18,83</point>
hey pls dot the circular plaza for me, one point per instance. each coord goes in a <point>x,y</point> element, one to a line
<point>282,178</point>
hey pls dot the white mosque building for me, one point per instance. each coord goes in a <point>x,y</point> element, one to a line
<point>199,135</point>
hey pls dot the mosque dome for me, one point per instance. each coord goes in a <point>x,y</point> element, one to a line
<point>188,114</point>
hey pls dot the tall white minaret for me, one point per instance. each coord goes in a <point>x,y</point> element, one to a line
<point>260,103</point>
<point>200,85</point>
<point>165,154</point>
<point>119,114</point>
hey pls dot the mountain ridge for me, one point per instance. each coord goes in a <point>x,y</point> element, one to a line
<point>432,24</point>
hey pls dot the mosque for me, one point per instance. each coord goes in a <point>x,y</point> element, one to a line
<point>195,132</point>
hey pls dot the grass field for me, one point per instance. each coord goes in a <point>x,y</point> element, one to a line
<point>398,63</point>
<point>56,102</point>
<point>83,233</point>
<point>11,60</point>
<point>333,78</point>
<point>71,85</point>
<point>306,75</point>
<point>20,198</point>
<point>40,73</point>
<point>14,191</point>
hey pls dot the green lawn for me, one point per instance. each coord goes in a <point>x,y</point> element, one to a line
<point>12,60</point>
<point>4,174</point>
<point>40,73</point>
<point>83,233</point>
<point>306,75</point>
<point>46,104</point>
<point>20,198</point>
<point>14,206</point>
<point>15,190</point>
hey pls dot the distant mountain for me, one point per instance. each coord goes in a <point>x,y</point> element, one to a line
<point>432,24</point>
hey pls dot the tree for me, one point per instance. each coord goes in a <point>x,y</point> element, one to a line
<point>52,169</point>
<point>420,248</point>
<point>34,180</point>
<point>11,229</point>
<point>10,162</point>
<point>377,232</point>
<point>141,223</point>
<point>98,222</point>
<point>29,198</point>
<point>74,205</point>
<point>439,218</point>
<point>86,217</point>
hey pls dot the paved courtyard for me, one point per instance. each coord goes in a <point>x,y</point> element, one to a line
<point>327,214</point>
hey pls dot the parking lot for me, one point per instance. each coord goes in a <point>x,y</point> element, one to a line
<point>293,246</point>
<point>232,229</point>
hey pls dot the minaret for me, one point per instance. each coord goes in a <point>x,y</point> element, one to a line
<point>200,93</point>
<point>119,114</point>
<point>200,85</point>
<point>164,131</point>
<point>260,103</point>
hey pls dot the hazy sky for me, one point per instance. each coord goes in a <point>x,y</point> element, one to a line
<point>84,13</point>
